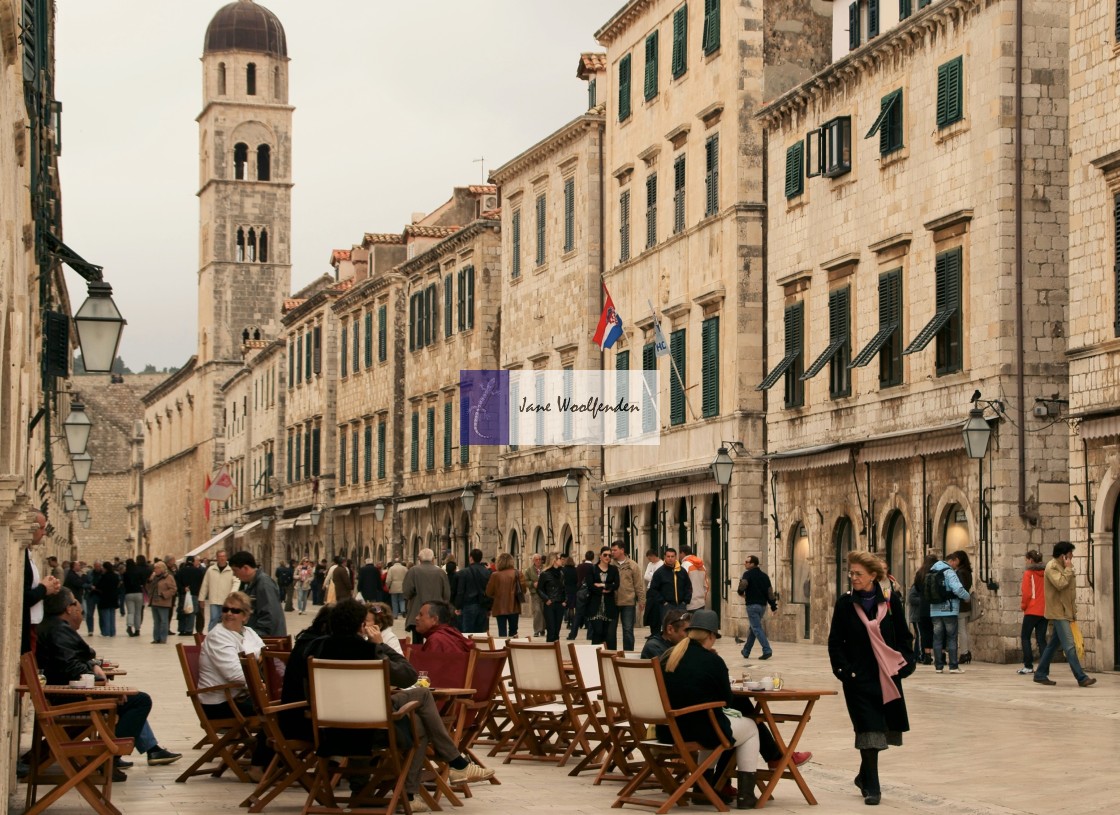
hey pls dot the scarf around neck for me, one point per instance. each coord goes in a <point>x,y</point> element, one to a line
<point>890,661</point>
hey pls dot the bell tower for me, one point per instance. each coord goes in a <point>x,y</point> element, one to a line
<point>245,181</point>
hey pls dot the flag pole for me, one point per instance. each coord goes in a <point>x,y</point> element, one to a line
<point>659,339</point>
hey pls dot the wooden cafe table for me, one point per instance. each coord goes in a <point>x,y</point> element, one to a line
<point>786,768</point>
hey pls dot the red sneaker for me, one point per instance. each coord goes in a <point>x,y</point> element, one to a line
<point>798,760</point>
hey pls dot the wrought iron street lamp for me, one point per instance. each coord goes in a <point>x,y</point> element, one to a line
<point>467,497</point>
<point>78,490</point>
<point>82,462</point>
<point>976,433</point>
<point>379,511</point>
<point>68,501</point>
<point>77,426</point>
<point>99,325</point>
<point>83,512</point>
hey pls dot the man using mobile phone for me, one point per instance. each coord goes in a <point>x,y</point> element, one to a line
<point>1061,610</point>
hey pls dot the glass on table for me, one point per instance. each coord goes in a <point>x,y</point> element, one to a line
<point>422,679</point>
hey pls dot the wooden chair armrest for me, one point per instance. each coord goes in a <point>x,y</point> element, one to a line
<point>213,688</point>
<point>271,709</point>
<point>84,706</point>
<point>405,709</point>
<point>107,736</point>
<point>677,713</point>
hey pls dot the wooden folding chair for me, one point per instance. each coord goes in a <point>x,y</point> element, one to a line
<point>474,712</point>
<point>226,740</point>
<point>278,643</point>
<point>550,718</point>
<point>348,697</point>
<point>588,685</point>
<point>674,764</point>
<point>84,764</point>
<point>274,664</point>
<point>293,759</point>
<point>616,763</point>
<point>445,670</point>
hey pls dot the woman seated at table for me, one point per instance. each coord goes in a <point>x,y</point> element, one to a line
<point>380,615</point>
<point>695,674</point>
<point>219,663</point>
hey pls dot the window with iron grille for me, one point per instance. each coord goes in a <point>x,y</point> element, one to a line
<point>888,124</point>
<point>624,226</point>
<point>624,88</point>
<point>678,194</point>
<point>651,66</point>
<point>709,366</point>
<point>515,238</point>
<point>795,170</point>
<point>678,377</point>
<point>711,175</point>
<point>950,92</point>
<point>542,230</point>
<point>569,214</point>
<point>711,26</point>
<point>680,41</point>
<point>651,210</point>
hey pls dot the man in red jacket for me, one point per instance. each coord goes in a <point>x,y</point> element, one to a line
<point>1033,603</point>
<point>433,623</point>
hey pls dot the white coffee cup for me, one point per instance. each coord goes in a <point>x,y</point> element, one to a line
<point>87,680</point>
<point>768,683</point>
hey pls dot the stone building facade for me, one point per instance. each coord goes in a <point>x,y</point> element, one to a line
<point>1094,322</point>
<point>900,291</point>
<point>685,217</point>
<point>550,283</point>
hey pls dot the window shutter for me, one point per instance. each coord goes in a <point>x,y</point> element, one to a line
<point>382,333</point>
<point>651,210</point>
<point>853,26</point>
<point>905,9</point>
<point>308,356</point>
<point>299,359</point>
<point>291,365</point>
<point>795,184</point>
<point>448,304</point>
<point>678,195</point>
<point>470,296</point>
<point>709,366</point>
<point>307,453</point>
<point>342,350</point>
<point>461,302</point>
<point>315,458</point>
<point>515,232</point>
<point>569,385</point>
<point>680,41</point>
<point>949,92</point>
<point>317,361</point>
<point>430,440</point>
<point>711,26</point>
<point>446,434</point>
<point>355,343</point>
<point>381,449</point>
<point>872,18</point>
<point>354,455</point>
<point>651,66</point>
<point>624,88</point>
<point>367,440</point>
<point>56,344</point>
<point>624,226</point>
<point>415,462</point>
<point>1118,20</point>
<point>1116,251</point>
<point>342,458</point>
<point>711,175</point>
<point>569,214</point>
<point>290,463</point>
<point>649,363</point>
<point>541,230</point>
<point>676,391</point>
<point>622,392</point>
<point>592,95</point>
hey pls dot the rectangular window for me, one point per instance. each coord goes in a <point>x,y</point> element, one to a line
<point>354,452</point>
<point>466,298</point>
<point>624,226</point>
<point>890,325</point>
<point>431,296</point>
<point>380,448</point>
<point>838,353</point>
<point>950,92</point>
<point>448,304</point>
<point>307,453</point>
<point>680,41</point>
<point>382,333</point>
<point>430,441</point>
<point>515,238</point>
<point>889,123</point>
<point>355,347</point>
<point>316,458</point>
<point>414,462</point>
<point>290,464</point>
<point>711,176</point>
<point>446,434</point>
<point>291,365</point>
<point>299,359</point>
<point>677,377</point>
<point>592,95</point>
<point>651,210</point>
<point>342,458</point>
<point>872,18</point>
<point>538,423</point>
<point>317,343</point>
<point>795,170</point>
<point>678,194</point>
<point>853,26</point>
<point>514,434</point>
<point>651,66</point>
<point>622,391</point>
<point>624,88</point>
<point>709,366</point>
<point>905,9</point>
<point>569,385</point>
<point>342,351</point>
<point>649,363</point>
<point>569,214</point>
<point>411,322</point>
<point>308,356</point>
<point>792,362</point>
<point>369,339</point>
<point>946,322</point>
<point>831,147</point>
<point>1116,256</point>
<point>542,230</point>
<point>711,26</point>
<point>367,440</point>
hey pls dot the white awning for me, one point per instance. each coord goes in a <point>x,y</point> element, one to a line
<point>630,499</point>
<point>371,509</point>
<point>530,486</point>
<point>249,527</point>
<point>420,503</point>
<point>826,456</point>
<point>1091,429</point>
<point>221,536</point>
<point>286,523</point>
<point>688,490</point>
<point>303,520</point>
<point>340,513</point>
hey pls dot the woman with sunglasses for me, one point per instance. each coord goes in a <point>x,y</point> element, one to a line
<point>602,583</point>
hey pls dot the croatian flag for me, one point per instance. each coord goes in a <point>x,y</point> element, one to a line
<point>610,324</point>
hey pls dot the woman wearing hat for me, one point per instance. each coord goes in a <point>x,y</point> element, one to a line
<point>695,674</point>
<point>872,651</point>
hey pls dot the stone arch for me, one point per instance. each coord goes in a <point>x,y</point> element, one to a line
<point>951,495</point>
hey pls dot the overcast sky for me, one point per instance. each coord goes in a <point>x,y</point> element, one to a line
<point>394,100</point>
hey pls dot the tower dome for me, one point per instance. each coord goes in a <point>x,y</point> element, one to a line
<point>246,26</point>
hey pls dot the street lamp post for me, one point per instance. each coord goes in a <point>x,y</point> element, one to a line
<point>99,325</point>
<point>977,434</point>
<point>571,495</point>
<point>77,426</point>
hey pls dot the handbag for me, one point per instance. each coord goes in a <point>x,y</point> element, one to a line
<point>485,601</point>
<point>1078,640</point>
<point>583,597</point>
<point>518,592</point>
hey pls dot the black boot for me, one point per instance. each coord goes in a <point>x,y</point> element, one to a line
<point>868,778</point>
<point>746,798</point>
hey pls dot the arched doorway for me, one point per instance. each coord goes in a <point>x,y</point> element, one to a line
<point>717,560</point>
<point>800,579</point>
<point>956,533</point>
<point>895,542</point>
<point>844,541</point>
<point>683,525</point>
<point>655,540</point>
<point>567,542</point>
<point>514,548</point>
<point>625,522</point>
<point>538,542</point>
<point>1115,586</point>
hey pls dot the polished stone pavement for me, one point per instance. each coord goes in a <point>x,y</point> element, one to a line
<point>987,741</point>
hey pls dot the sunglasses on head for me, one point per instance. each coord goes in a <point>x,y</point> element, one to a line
<point>232,610</point>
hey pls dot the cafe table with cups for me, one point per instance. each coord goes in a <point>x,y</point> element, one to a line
<point>768,691</point>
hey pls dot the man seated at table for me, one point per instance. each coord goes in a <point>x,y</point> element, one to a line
<point>433,623</point>
<point>672,632</point>
<point>64,656</point>
<point>353,637</point>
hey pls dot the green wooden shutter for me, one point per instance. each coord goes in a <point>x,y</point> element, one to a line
<point>678,194</point>
<point>382,333</point>
<point>890,132</point>
<point>853,26</point>
<point>680,41</point>
<point>649,363</point>
<point>367,441</point>
<point>569,385</point>
<point>795,181</point>
<point>592,95</point>
<point>317,343</point>
<point>291,364</point>
<point>342,351</point>
<point>446,434</point>
<point>355,347</point>
<point>651,210</point>
<point>1118,20</point>
<point>569,214</point>
<point>316,438</point>
<point>448,305</point>
<point>460,303</point>
<point>711,26</point>
<point>354,453</point>
<point>290,462</point>
<point>651,66</point>
<point>542,230</point>
<point>709,366</point>
<point>624,226</point>
<point>307,453</point>
<point>342,458</point>
<point>676,390</point>
<point>515,239</point>
<point>795,350</point>
<point>470,296</point>
<point>415,462</point>
<point>1116,255</point>
<point>308,356</point>
<point>381,448</point>
<point>624,88</point>
<point>369,338</point>
<point>905,9</point>
<point>950,106</point>
<point>872,18</point>
<point>430,439</point>
<point>711,175</point>
<point>622,392</point>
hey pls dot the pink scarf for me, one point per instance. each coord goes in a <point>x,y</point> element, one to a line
<point>890,661</point>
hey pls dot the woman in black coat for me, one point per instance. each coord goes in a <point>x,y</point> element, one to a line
<point>602,584</point>
<point>108,588</point>
<point>871,650</point>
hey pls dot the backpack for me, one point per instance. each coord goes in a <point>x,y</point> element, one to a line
<point>934,589</point>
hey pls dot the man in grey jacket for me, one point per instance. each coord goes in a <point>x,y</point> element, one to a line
<point>424,582</point>
<point>267,618</point>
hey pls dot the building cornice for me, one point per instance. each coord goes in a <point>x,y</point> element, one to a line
<point>550,145</point>
<point>369,287</point>
<point>896,45</point>
<point>612,29</point>
<point>169,384</point>
<point>449,244</point>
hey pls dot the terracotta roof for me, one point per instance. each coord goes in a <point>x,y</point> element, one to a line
<point>382,237</point>
<point>493,214</point>
<point>422,231</point>
<point>482,189</point>
<point>343,285</point>
<point>591,62</point>
<point>339,255</point>
<point>256,343</point>
<point>294,302</point>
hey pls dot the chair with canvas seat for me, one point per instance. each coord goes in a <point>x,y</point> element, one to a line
<point>226,740</point>
<point>617,762</point>
<point>676,764</point>
<point>475,712</point>
<point>584,660</point>
<point>84,762</point>
<point>358,737</point>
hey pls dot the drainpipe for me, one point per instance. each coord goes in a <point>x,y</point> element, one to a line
<point>1020,386</point>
